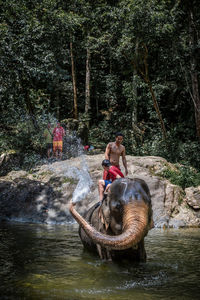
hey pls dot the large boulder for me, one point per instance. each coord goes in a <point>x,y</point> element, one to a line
<point>44,194</point>
<point>193,197</point>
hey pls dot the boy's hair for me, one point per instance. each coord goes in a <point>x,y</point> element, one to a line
<point>106,163</point>
<point>119,134</point>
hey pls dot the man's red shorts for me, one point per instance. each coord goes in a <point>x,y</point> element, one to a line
<point>57,145</point>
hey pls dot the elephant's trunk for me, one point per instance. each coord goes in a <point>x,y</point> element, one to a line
<point>135,226</point>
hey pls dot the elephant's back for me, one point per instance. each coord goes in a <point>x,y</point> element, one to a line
<point>88,215</point>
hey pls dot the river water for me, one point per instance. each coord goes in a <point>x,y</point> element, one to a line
<point>48,262</point>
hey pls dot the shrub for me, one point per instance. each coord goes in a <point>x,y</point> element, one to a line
<point>183,176</point>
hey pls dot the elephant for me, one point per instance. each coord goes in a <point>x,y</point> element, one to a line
<point>116,228</point>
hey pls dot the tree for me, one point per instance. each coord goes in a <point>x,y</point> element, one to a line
<point>74,82</point>
<point>193,30</point>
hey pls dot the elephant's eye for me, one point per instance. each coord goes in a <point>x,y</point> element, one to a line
<point>115,205</point>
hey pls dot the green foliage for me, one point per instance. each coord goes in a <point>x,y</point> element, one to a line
<point>69,180</point>
<point>183,176</point>
<point>31,160</point>
<point>174,149</point>
<point>26,134</point>
<point>58,181</point>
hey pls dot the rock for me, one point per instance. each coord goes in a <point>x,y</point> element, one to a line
<point>176,223</point>
<point>193,197</point>
<point>44,194</point>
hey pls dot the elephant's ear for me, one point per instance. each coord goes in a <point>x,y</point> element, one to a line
<point>151,222</point>
<point>105,213</point>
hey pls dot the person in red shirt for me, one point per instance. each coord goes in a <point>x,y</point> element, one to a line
<point>111,175</point>
<point>58,134</point>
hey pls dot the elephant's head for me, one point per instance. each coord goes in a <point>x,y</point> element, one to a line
<point>126,213</point>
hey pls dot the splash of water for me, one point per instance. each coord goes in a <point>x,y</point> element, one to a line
<point>84,182</point>
<point>73,148</point>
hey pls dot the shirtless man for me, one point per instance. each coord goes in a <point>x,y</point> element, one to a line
<point>114,150</point>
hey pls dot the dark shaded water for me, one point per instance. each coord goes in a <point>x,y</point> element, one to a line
<point>48,262</point>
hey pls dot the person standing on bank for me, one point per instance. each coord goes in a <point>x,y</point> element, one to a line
<point>113,152</point>
<point>58,134</point>
<point>48,135</point>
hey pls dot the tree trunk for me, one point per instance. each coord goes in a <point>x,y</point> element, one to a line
<point>155,103</point>
<point>29,105</point>
<point>193,34</point>
<point>134,111</point>
<point>75,110</point>
<point>87,83</point>
<point>136,132</point>
<point>195,90</point>
<point>144,75</point>
<point>87,89</point>
<point>97,106</point>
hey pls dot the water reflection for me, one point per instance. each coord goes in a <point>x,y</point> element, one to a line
<point>48,262</point>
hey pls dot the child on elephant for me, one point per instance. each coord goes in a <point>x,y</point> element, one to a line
<point>112,173</point>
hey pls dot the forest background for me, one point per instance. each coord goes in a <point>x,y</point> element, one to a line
<point>107,66</point>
